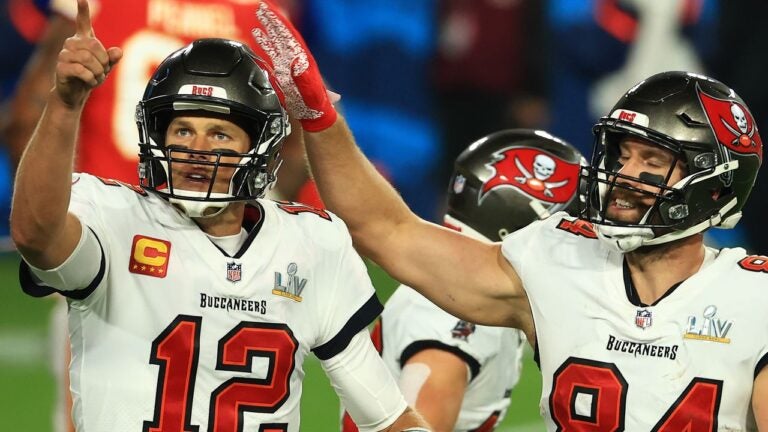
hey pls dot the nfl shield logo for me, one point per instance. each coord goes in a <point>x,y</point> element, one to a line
<point>234,271</point>
<point>644,319</point>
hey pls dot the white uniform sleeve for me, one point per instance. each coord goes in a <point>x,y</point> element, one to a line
<point>558,242</point>
<point>517,246</point>
<point>350,302</point>
<point>411,323</point>
<point>366,388</point>
<point>79,275</point>
<point>79,269</point>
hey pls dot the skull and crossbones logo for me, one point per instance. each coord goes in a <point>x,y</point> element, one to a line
<point>543,168</point>
<point>742,137</point>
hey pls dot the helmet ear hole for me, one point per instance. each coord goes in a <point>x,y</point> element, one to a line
<point>251,182</point>
<point>717,193</point>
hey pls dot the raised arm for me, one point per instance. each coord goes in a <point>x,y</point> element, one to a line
<point>44,232</point>
<point>469,279</point>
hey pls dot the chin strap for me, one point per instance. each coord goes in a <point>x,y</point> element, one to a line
<point>625,239</point>
<point>199,209</point>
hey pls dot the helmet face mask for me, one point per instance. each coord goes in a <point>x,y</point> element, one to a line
<point>214,78</point>
<point>707,130</point>
<point>606,180</point>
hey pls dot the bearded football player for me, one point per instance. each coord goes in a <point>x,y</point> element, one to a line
<point>637,325</point>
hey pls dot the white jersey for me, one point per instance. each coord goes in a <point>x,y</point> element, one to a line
<point>175,335</point>
<point>411,323</point>
<point>687,362</point>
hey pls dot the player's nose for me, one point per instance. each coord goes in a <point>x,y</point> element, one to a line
<point>199,144</point>
<point>631,170</point>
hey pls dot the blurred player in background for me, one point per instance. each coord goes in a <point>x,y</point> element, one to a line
<point>459,375</point>
<point>220,344</point>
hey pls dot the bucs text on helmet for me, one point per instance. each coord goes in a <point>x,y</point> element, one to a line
<point>218,78</point>
<point>708,129</point>
<point>510,178</point>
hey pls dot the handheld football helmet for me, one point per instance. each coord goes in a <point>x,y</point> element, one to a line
<point>508,179</point>
<point>708,129</point>
<point>219,78</point>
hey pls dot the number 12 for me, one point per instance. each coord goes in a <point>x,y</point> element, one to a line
<point>176,351</point>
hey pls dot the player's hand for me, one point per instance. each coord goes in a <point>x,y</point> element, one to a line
<point>295,69</point>
<point>83,62</point>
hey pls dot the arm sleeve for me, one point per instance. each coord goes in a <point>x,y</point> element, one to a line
<point>366,388</point>
<point>411,324</point>
<point>350,303</point>
<point>84,270</point>
<point>76,277</point>
<point>515,247</point>
<point>761,364</point>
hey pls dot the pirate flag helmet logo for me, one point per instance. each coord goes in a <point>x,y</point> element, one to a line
<point>732,124</point>
<point>535,172</point>
<point>510,178</point>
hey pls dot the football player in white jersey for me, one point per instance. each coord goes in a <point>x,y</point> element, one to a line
<point>636,324</point>
<point>193,303</point>
<point>459,375</point>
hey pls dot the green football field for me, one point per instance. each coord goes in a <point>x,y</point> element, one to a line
<point>27,386</point>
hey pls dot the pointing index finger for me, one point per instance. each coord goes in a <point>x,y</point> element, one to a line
<point>83,21</point>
